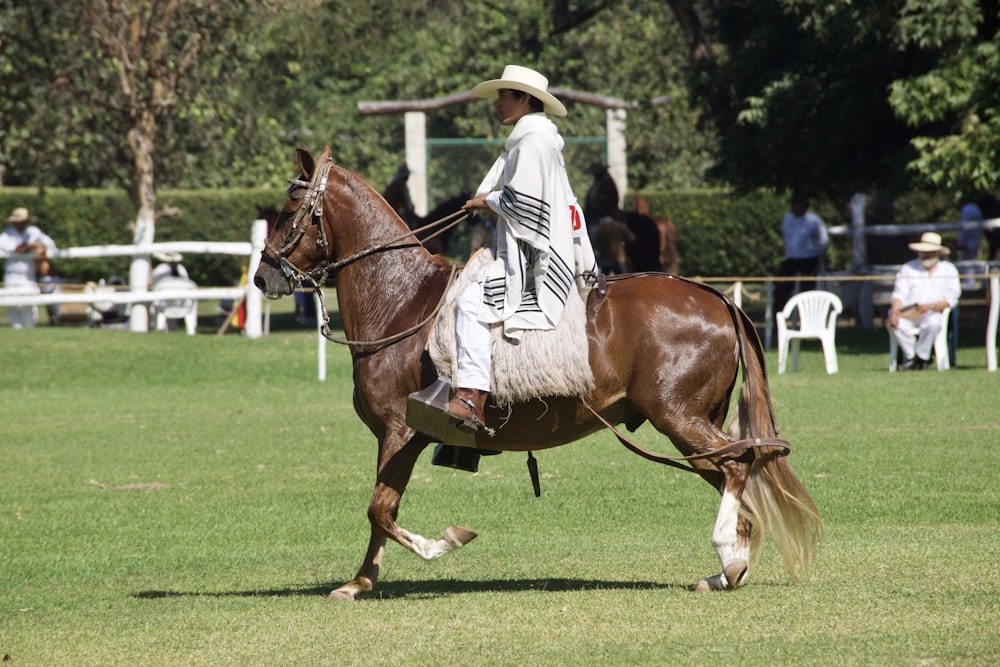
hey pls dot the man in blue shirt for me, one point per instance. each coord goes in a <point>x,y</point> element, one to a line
<point>806,241</point>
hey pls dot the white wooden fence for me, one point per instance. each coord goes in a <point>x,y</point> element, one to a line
<point>253,298</point>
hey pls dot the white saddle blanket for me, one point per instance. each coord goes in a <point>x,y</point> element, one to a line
<point>553,362</point>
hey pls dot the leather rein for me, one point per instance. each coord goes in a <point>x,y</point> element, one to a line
<point>310,212</point>
<point>735,449</point>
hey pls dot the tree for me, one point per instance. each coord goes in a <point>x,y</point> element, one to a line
<point>114,81</point>
<point>800,97</point>
<point>954,104</point>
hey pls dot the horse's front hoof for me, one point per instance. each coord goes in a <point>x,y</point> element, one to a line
<point>708,584</point>
<point>457,536</point>
<point>733,574</point>
<point>339,596</point>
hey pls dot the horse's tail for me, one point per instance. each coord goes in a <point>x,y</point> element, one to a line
<point>774,500</point>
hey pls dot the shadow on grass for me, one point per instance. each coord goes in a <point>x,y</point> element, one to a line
<point>395,590</point>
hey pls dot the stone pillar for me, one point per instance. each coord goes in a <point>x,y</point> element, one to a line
<point>617,160</point>
<point>416,159</point>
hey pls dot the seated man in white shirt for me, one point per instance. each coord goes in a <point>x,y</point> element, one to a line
<point>924,288</point>
<point>169,266</point>
<point>171,274</point>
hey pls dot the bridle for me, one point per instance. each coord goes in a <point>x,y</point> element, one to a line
<point>309,213</point>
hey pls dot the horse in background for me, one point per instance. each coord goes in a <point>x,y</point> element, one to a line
<point>990,207</point>
<point>397,195</point>
<point>649,243</point>
<point>668,235</point>
<point>438,245</point>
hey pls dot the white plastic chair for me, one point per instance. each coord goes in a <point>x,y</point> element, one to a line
<point>940,345</point>
<point>817,316</point>
<point>176,309</point>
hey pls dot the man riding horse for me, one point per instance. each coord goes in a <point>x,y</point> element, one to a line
<point>543,250</point>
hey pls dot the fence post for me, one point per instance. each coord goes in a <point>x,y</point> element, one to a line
<point>991,326</point>
<point>253,299</point>
<point>416,158</point>
<point>769,315</point>
<point>614,123</point>
<point>859,260</point>
<point>321,340</point>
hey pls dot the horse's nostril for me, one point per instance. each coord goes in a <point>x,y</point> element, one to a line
<point>260,283</point>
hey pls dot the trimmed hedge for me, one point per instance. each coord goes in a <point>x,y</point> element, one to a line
<point>105,217</point>
<point>719,233</point>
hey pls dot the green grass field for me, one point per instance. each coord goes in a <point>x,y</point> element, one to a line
<point>174,500</point>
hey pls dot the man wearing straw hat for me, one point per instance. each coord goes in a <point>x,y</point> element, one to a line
<point>543,249</point>
<point>20,273</point>
<point>924,288</point>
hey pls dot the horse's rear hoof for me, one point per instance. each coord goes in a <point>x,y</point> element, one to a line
<point>736,572</point>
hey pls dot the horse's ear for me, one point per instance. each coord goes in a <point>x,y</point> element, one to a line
<point>306,163</point>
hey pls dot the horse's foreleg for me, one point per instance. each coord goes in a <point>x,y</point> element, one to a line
<point>382,512</point>
<point>366,577</point>
<point>731,534</point>
<point>453,537</point>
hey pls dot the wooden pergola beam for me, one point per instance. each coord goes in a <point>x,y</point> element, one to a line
<point>615,110</point>
<point>437,103</point>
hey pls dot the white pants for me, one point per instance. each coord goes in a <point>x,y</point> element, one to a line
<point>22,317</point>
<point>916,336</point>
<point>473,341</point>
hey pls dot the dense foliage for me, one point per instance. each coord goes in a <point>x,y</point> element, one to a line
<point>831,97</point>
<point>839,97</point>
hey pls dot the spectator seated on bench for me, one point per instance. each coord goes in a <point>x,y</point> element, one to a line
<point>171,275</point>
<point>923,294</point>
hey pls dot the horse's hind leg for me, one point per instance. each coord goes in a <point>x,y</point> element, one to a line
<point>731,534</point>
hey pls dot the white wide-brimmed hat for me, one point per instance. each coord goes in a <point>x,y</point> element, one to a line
<point>929,242</point>
<point>19,215</point>
<point>168,256</point>
<point>526,80</point>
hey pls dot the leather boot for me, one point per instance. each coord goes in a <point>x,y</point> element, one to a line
<point>466,408</point>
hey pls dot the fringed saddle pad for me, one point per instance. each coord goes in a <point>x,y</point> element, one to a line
<point>552,362</point>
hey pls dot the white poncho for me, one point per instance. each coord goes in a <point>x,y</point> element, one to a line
<point>542,243</point>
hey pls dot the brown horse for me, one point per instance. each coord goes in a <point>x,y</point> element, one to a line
<point>662,349</point>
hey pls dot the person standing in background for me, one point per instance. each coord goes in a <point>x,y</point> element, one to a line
<point>806,241</point>
<point>968,239</point>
